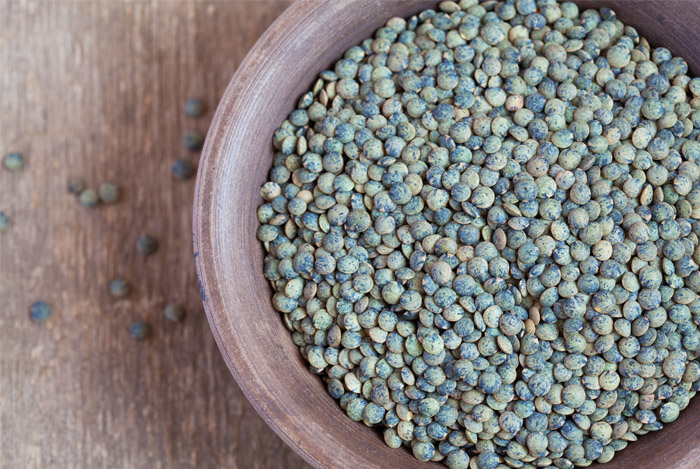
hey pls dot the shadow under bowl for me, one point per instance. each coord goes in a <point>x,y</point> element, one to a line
<point>308,38</point>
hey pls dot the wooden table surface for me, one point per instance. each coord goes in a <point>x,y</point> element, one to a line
<point>96,89</point>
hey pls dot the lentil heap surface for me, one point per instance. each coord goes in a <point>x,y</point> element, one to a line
<point>482,231</point>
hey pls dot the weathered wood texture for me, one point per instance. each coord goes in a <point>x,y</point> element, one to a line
<point>96,89</point>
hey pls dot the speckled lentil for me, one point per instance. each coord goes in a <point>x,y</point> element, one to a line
<point>13,161</point>
<point>89,198</point>
<point>194,108</point>
<point>184,169</point>
<point>40,311</point>
<point>119,288</point>
<point>76,186</point>
<point>146,245</point>
<point>174,312</point>
<point>481,229</point>
<point>4,222</point>
<point>108,192</point>
<point>139,330</point>
<point>193,140</point>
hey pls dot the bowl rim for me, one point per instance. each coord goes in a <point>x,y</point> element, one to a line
<point>212,152</point>
<point>205,249</point>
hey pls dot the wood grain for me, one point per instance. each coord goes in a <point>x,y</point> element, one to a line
<point>96,89</point>
<point>309,37</point>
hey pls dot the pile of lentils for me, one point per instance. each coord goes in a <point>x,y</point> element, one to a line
<point>482,232</point>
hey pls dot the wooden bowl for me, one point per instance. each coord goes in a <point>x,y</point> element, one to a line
<point>309,37</point>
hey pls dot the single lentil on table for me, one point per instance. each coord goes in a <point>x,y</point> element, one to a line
<point>139,330</point>
<point>194,108</point>
<point>14,161</point>
<point>119,288</point>
<point>76,186</point>
<point>4,222</point>
<point>146,245</point>
<point>89,198</point>
<point>40,311</point>
<point>193,140</point>
<point>183,169</point>
<point>174,312</point>
<point>108,192</point>
<point>482,231</point>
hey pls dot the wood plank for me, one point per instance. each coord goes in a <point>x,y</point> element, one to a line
<point>96,90</point>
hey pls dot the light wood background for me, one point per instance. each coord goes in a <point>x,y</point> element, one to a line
<point>96,89</point>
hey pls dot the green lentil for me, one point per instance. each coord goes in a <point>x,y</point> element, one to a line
<point>119,288</point>
<point>76,186</point>
<point>183,169</point>
<point>669,412</point>
<point>480,227</point>
<point>193,140</point>
<point>14,161</point>
<point>146,245</point>
<point>4,222</point>
<point>194,108</point>
<point>139,330</point>
<point>89,198</point>
<point>174,312</point>
<point>40,311</point>
<point>108,192</point>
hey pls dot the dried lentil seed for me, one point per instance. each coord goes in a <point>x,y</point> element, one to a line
<point>139,330</point>
<point>119,288</point>
<point>76,186</point>
<point>193,140</point>
<point>174,312</point>
<point>40,311</point>
<point>183,169</point>
<point>194,108</point>
<point>4,222</point>
<point>13,161</point>
<point>146,245</point>
<point>108,192</point>
<point>89,198</point>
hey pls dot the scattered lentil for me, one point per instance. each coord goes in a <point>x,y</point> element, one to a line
<point>174,312</point>
<point>76,186</point>
<point>40,311</point>
<point>183,169</point>
<point>89,198</point>
<point>147,245</point>
<point>14,161</point>
<point>108,192</point>
<point>119,288</point>
<point>139,330</point>
<point>193,140</point>
<point>194,108</point>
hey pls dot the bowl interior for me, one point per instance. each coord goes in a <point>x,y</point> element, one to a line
<point>306,39</point>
